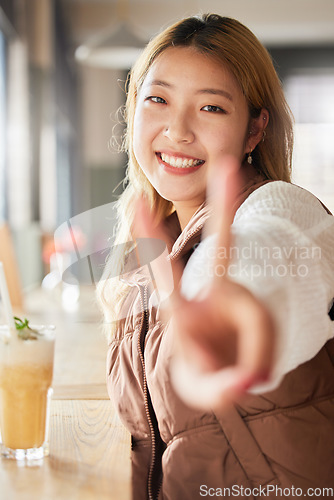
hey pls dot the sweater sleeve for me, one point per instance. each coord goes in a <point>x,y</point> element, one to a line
<point>282,251</point>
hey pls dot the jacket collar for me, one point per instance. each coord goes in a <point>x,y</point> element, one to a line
<point>191,234</point>
<point>183,242</point>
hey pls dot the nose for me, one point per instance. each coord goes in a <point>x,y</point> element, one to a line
<point>179,129</point>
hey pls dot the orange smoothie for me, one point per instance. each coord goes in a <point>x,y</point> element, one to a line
<point>23,404</point>
<point>26,368</point>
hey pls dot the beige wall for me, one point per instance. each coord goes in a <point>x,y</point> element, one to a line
<point>101,97</point>
<point>276,22</point>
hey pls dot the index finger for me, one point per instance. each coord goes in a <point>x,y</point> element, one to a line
<point>257,338</point>
<point>224,186</point>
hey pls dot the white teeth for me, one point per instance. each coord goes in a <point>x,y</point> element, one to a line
<point>176,161</point>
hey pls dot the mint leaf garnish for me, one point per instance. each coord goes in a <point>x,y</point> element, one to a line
<point>24,331</point>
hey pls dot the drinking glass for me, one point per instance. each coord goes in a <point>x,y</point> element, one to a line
<point>26,369</point>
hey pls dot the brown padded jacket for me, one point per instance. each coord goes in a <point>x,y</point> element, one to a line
<point>278,444</point>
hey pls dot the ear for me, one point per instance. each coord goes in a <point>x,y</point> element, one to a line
<point>256,130</point>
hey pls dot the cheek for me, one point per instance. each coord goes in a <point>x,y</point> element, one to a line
<point>226,142</point>
<point>138,135</point>
<point>137,126</point>
<point>143,129</point>
<point>233,138</point>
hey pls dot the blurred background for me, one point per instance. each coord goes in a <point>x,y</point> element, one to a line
<point>63,66</point>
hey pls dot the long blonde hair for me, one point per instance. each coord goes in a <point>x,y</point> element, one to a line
<point>235,46</point>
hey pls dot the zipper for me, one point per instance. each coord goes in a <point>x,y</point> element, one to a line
<point>140,348</point>
<point>143,332</point>
<point>190,235</point>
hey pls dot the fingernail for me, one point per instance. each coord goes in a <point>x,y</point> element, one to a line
<point>263,377</point>
<point>252,380</point>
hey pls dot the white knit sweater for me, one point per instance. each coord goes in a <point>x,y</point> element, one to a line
<point>283,251</point>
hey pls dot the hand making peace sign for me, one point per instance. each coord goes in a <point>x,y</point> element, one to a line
<point>224,342</point>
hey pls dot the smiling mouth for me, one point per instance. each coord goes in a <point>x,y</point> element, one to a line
<point>179,162</point>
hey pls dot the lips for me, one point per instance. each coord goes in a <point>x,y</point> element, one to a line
<point>181,162</point>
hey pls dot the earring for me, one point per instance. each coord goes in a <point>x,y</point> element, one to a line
<point>264,135</point>
<point>249,157</point>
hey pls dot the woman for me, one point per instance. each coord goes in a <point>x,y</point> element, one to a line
<point>232,387</point>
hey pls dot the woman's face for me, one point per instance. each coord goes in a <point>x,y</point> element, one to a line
<point>190,113</point>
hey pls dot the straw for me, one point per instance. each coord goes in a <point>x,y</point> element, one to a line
<point>6,299</point>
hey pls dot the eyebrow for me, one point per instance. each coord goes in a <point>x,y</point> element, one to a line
<point>210,91</point>
<point>221,92</point>
<point>161,83</point>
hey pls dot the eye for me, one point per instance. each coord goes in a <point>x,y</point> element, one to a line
<point>157,99</point>
<point>213,109</point>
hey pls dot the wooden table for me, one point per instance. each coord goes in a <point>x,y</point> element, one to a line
<point>89,448</point>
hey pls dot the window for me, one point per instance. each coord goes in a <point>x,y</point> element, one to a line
<point>307,74</point>
<point>311,97</point>
<point>2,127</point>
